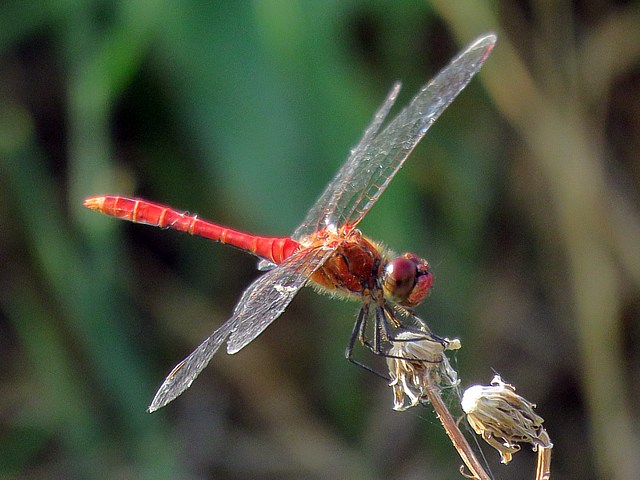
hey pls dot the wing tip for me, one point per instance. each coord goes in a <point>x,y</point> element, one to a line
<point>156,404</point>
<point>160,400</point>
<point>233,348</point>
<point>485,43</point>
<point>488,39</point>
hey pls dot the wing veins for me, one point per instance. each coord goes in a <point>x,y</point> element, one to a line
<point>269,295</point>
<point>379,155</point>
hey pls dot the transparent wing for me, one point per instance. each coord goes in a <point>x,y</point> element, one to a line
<point>183,375</point>
<point>378,157</point>
<point>328,200</point>
<point>269,295</point>
<point>259,306</point>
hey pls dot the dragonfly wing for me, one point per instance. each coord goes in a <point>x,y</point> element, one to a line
<point>265,265</point>
<point>269,295</point>
<point>379,156</point>
<point>183,375</point>
<point>320,214</point>
<point>260,304</point>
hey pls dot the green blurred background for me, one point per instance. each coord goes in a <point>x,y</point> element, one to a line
<point>524,196</point>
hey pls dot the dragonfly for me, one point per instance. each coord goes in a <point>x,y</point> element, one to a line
<point>326,251</point>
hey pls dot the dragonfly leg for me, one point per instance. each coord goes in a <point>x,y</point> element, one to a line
<point>378,328</point>
<point>387,321</point>
<point>358,334</point>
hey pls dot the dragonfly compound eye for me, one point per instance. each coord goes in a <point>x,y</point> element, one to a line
<point>407,280</point>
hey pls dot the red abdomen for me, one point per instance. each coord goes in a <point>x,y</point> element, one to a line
<point>274,249</point>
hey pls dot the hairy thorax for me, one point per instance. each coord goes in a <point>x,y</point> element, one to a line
<point>353,269</point>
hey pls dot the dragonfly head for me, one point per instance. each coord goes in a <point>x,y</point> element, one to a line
<point>406,280</point>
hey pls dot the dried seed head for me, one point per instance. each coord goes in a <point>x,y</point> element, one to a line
<point>498,414</point>
<point>417,362</point>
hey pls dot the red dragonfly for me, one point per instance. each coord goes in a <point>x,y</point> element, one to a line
<point>326,250</point>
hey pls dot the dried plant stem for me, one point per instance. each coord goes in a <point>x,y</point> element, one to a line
<point>543,469</point>
<point>456,436</point>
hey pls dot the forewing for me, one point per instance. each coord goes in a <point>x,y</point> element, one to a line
<point>183,375</point>
<point>377,158</point>
<point>269,295</point>
<point>318,217</point>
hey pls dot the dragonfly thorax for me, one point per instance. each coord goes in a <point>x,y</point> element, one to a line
<point>354,269</point>
<point>406,280</point>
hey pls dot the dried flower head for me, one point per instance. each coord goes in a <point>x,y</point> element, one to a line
<point>417,362</point>
<point>504,418</point>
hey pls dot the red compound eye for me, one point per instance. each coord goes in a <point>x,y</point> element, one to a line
<point>407,280</point>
